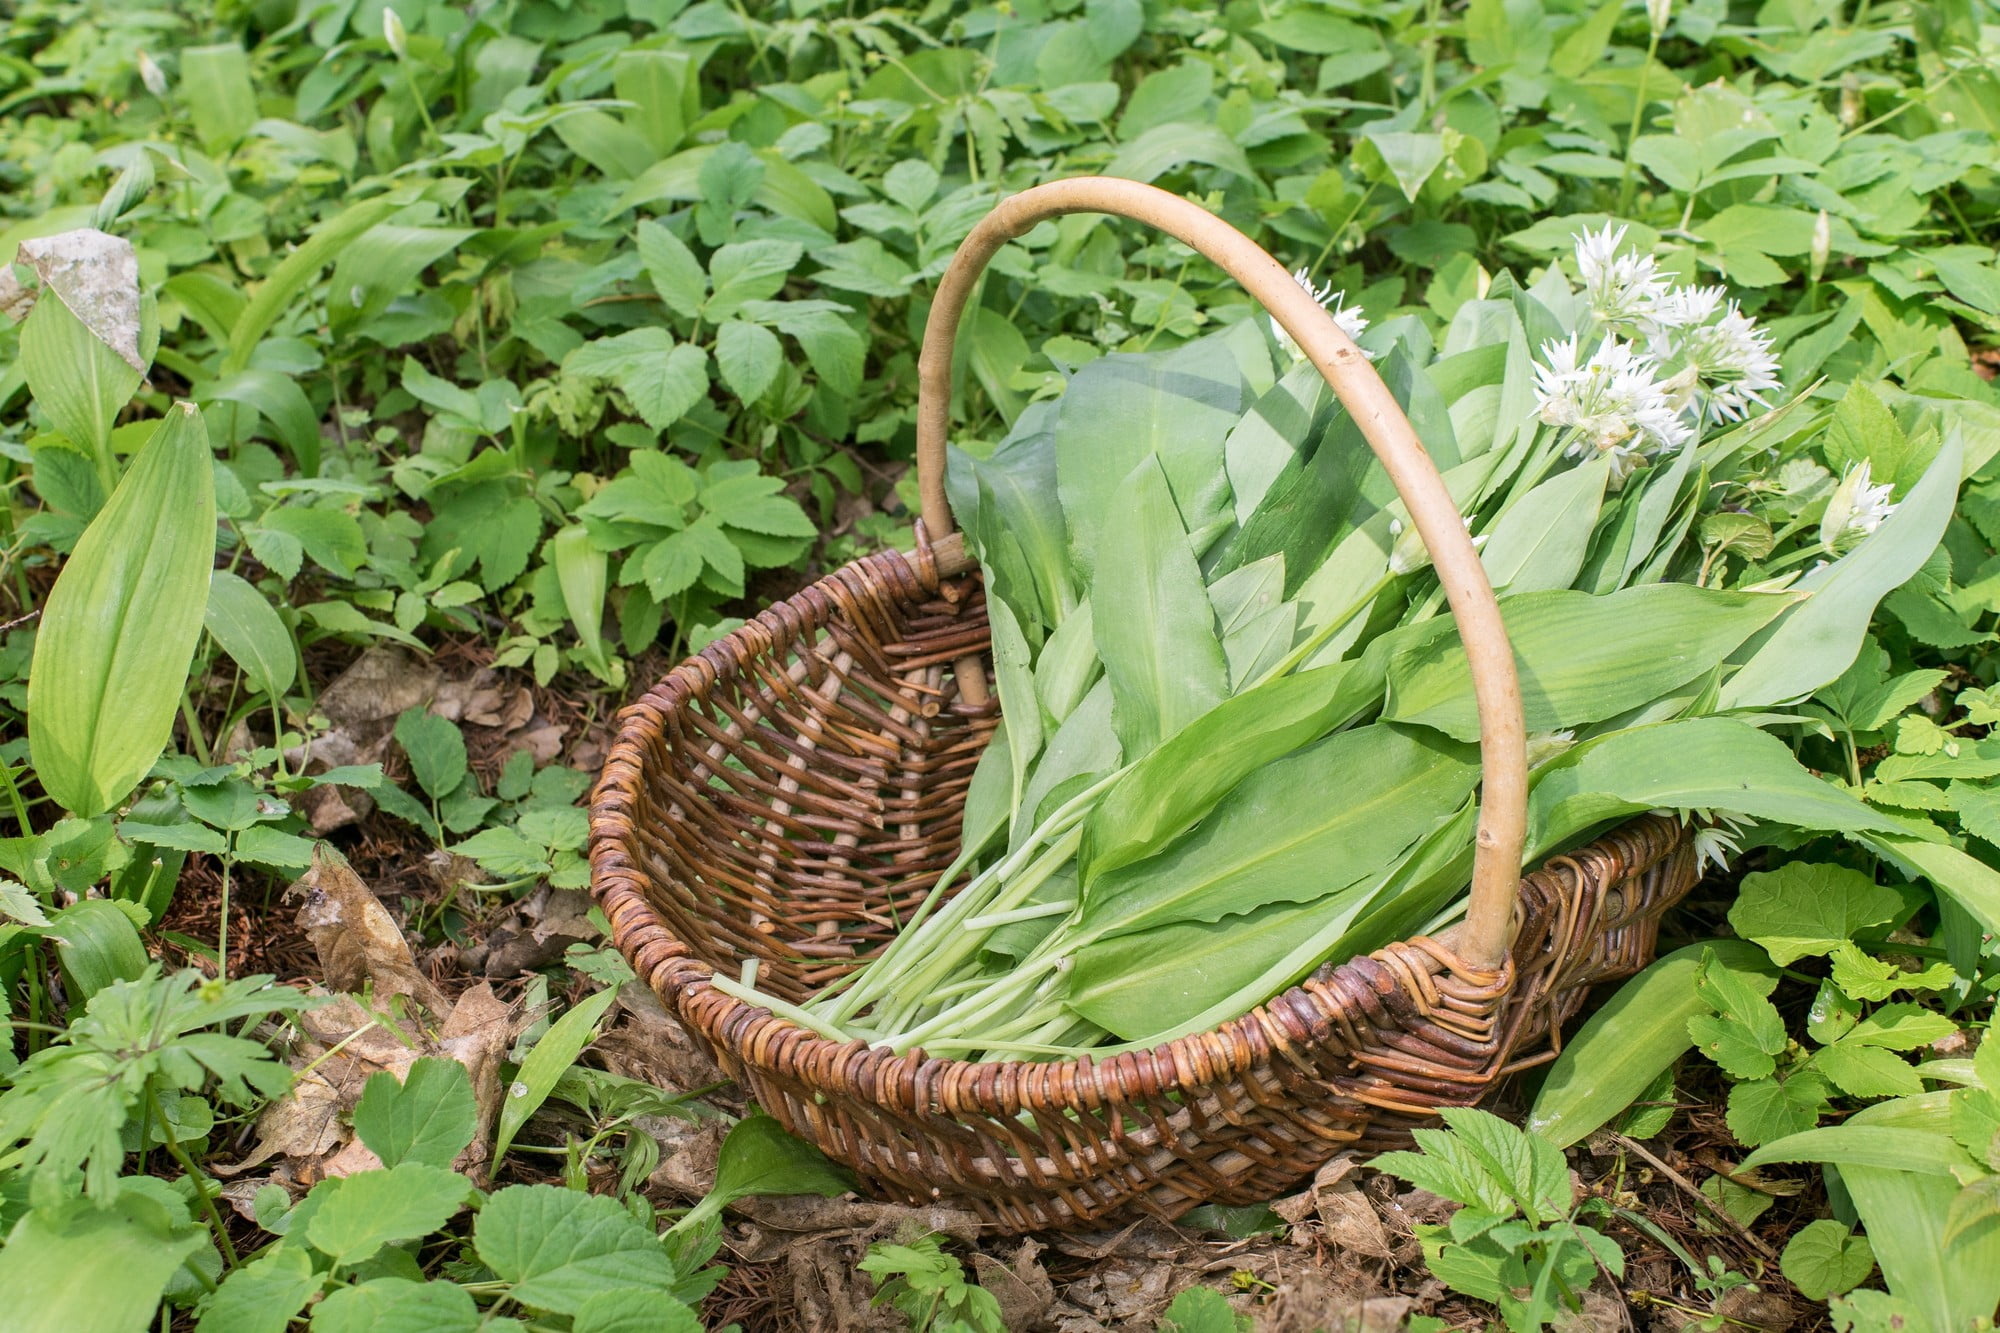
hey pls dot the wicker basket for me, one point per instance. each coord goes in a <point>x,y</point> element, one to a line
<point>793,792</point>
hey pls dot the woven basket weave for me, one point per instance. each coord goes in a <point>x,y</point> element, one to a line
<point>793,792</point>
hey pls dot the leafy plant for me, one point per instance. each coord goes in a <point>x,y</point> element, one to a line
<point>928,1286</point>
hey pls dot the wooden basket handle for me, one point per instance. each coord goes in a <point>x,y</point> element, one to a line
<point>1496,864</point>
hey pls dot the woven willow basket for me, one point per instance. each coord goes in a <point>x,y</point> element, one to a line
<point>792,793</point>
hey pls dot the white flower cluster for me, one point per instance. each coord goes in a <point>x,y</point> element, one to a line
<point>1690,358</point>
<point>1349,318</point>
<point>1857,507</point>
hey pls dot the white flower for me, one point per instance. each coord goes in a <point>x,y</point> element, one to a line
<point>1657,14</point>
<point>1822,244</point>
<point>152,76</point>
<point>394,33</point>
<point>1349,318</point>
<point>1618,289</point>
<point>1612,402</point>
<point>1682,306</point>
<point>1857,507</point>
<point>1732,362</point>
<point>1408,554</point>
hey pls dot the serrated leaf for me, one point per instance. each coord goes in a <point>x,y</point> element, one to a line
<point>1867,978</point>
<point>397,1305</point>
<point>675,272</point>
<point>748,358</point>
<point>263,1296</point>
<point>1805,908</point>
<point>749,271</point>
<point>660,378</point>
<point>1861,1070</point>
<point>429,1117</point>
<point>371,1209</point>
<point>436,750</point>
<point>560,1247</point>
<point>1763,1110</point>
<point>81,1265</point>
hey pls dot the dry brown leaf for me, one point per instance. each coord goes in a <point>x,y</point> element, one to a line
<point>97,276</point>
<point>358,942</point>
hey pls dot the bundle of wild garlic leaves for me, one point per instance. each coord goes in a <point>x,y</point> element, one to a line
<point>1238,734</point>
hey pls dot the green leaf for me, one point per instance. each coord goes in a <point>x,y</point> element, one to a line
<point>331,537</point>
<point>1539,544</point>
<point>429,1117</point>
<point>748,357</point>
<point>1967,881</point>
<point>215,88</point>
<point>1851,1144</point>
<point>1765,1109</point>
<point>365,1211</point>
<point>675,272</point>
<point>661,379</point>
<point>748,271</point>
<point>1825,1259</point>
<point>380,265</point>
<point>1867,978</point>
<point>1407,158</point>
<point>1818,639</point>
<point>1296,829</point>
<point>550,1059</point>
<point>265,846</point>
<point>1864,430</point>
<point>1802,909</point>
<point>634,1311</point>
<point>120,627</point>
<point>436,750</point>
<point>1581,658</point>
<point>264,1295</point>
<point>560,1247</point>
<point>249,630</point>
<point>1745,1033</point>
<point>1860,1070</point>
<point>280,291</point>
<point>582,571</point>
<point>1151,619</point>
<point>89,1266</point>
<point>1632,1038</point>
<point>98,944</point>
<point>1201,1310</point>
<point>759,1158</point>
<point>75,376</point>
<point>279,400</point>
<point>1018,700</point>
<point>397,1305</point>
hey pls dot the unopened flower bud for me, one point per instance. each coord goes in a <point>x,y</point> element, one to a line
<point>395,34</point>
<point>152,76</point>
<point>1657,13</point>
<point>1822,244</point>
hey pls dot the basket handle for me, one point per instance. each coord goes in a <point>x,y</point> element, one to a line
<point>1496,863</point>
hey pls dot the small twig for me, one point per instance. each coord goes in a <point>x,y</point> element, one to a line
<point>19,621</point>
<point>1711,1205</point>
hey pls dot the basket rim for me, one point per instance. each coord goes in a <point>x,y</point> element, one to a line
<point>1303,1015</point>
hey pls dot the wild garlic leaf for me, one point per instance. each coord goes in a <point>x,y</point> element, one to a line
<point>1805,908</point>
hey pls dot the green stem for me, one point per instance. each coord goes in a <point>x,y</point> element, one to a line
<point>1638,112</point>
<point>179,1154</point>
<point>222,933</point>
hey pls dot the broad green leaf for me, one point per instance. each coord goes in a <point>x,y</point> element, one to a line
<point>1851,1144</point>
<point>759,1158</point>
<point>397,1305</point>
<point>1181,781</point>
<point>249,630</point>
<point>1803,908</point>
<point>1763,1110</point>
<point>1966,880</point>
<point>120,626</point>
<point>1540,542</point>
<point>560,1247</point>
<point>1407,158</point>
<point>661,379</point>
<point>1581,658</point>
<point>370,1209</point>
<point>550,1059</point>
<point>280,291</point>
<point>429,1117</point>
<point>1151,619</point>
<point>1019,703</point>
<point>582,571</point>
<point>676,274</point>
<point>1818,639</point>
<point>1867,1071</point>
<point>1864,430</point>
<point>88,1266</point>
<point>1744,1033</point>
<point>1122,410</point>
<point>662,88</point>
<point>1067,666</point>
<point>1634,1036</point>
<point>216,89</point>
<point>748,358</point>
<point>264,1295</point>
<point>436,750</point>
<point>1710,763</point>
<point>1825,1259</point>
<point>98,944</point>
<point>635,1311</point>
<point>279,400</point>
<point>1008,505</point>
<point>748,271</point>
<point>381,264</point>
<point>1297,828</point>
<point>75,376</point>
<point>1085,745</point>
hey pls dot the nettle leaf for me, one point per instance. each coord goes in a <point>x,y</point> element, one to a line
<point>1745,1033</point>
<point>429,1117</point>
<point>1804,909</point>
<point>365,1211</point>
<point>1764,1110</point>
<point>436,750</point>
<point>660,378</point>
<point>748,357</point>
<point>397,1305</point>
<point>1867,978</point>
<point>560,1247</point>
<point>675,272</point>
